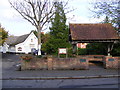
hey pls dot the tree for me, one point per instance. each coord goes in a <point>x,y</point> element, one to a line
<point>44,37</point>
<point>59,28</point>
<point>58,31</point>
<point>116,50</point>
<point>97,48</point>
<point>106,20</point>
<point>109,8</point>
<point>3,35</point>
<point>37,12</point>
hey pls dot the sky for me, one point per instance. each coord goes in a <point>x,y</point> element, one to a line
<point>16,25</point>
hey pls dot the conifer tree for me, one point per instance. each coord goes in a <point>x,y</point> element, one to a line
<point>59,28</point>
<point>58,31</point>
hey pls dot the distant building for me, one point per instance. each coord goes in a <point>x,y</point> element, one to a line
<point>81,45</point>
<point>20,44</point>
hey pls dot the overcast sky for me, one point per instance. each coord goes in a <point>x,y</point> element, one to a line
<point>16,25</point>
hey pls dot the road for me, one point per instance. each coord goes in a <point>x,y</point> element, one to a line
<point>8,71</point>
<point>63,83</point>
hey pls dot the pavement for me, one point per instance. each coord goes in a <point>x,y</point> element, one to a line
<point>9,73</point>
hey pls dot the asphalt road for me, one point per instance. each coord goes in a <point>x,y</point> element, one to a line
<point>63,83</point>
<point>8,70</point>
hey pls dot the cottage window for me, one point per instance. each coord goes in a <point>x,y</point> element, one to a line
<point>31,40</point>
<point>32,45</point>
<point>19,49</point>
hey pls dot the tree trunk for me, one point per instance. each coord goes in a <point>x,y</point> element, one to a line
<point>39,40</point>
<point>110,48</point>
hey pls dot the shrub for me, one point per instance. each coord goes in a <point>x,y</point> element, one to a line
<point>26,58</point>
<point>39,56</point>
<point>82,51</point>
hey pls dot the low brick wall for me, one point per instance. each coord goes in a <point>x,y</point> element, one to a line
<point>70,63</point>
<point>81,62</point>
<point>111,62</point>
<point>36,64</point>
<point>56,64</point>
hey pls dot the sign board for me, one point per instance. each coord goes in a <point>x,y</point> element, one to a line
<point>111,59</point>
<point>62,51</point>
<point>82,60</point>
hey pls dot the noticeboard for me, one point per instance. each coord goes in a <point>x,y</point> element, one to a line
<point>110,59</point>
<point>62,51</point>
<point>82,60</point>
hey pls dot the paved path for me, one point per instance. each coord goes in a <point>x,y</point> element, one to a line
<point>55,73</point>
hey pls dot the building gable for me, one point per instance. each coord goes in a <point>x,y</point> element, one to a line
<point>31,37</point>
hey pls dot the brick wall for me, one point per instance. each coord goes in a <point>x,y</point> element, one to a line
<point>36,64</point>
<point>81,62</point>
<point>57,64</point>
<point>70,63</point>
<point>111,62</point>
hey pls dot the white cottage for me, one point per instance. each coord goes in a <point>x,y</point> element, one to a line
<point>21,44</point>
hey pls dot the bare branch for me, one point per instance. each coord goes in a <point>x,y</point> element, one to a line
<point>47,20</point>
<point>21,13</point>
<point>66,3</point>
<point>37,12</point>
<point>33,10</point>
<point>48,15</point>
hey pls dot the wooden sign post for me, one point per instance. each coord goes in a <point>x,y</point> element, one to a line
<point>62,51</point>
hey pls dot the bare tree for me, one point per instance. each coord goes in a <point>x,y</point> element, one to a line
<point>37,12</point>
<point>109,8</point>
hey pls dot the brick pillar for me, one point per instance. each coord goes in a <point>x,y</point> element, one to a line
<point>25,65</point>
<point>110,62</point>
<point>50,62</point>
<point>82,63</point>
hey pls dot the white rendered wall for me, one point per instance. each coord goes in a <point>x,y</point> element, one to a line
<point>5,48</point>
<point>26,45</point>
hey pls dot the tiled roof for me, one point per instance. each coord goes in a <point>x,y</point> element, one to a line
<point>92,32</point>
